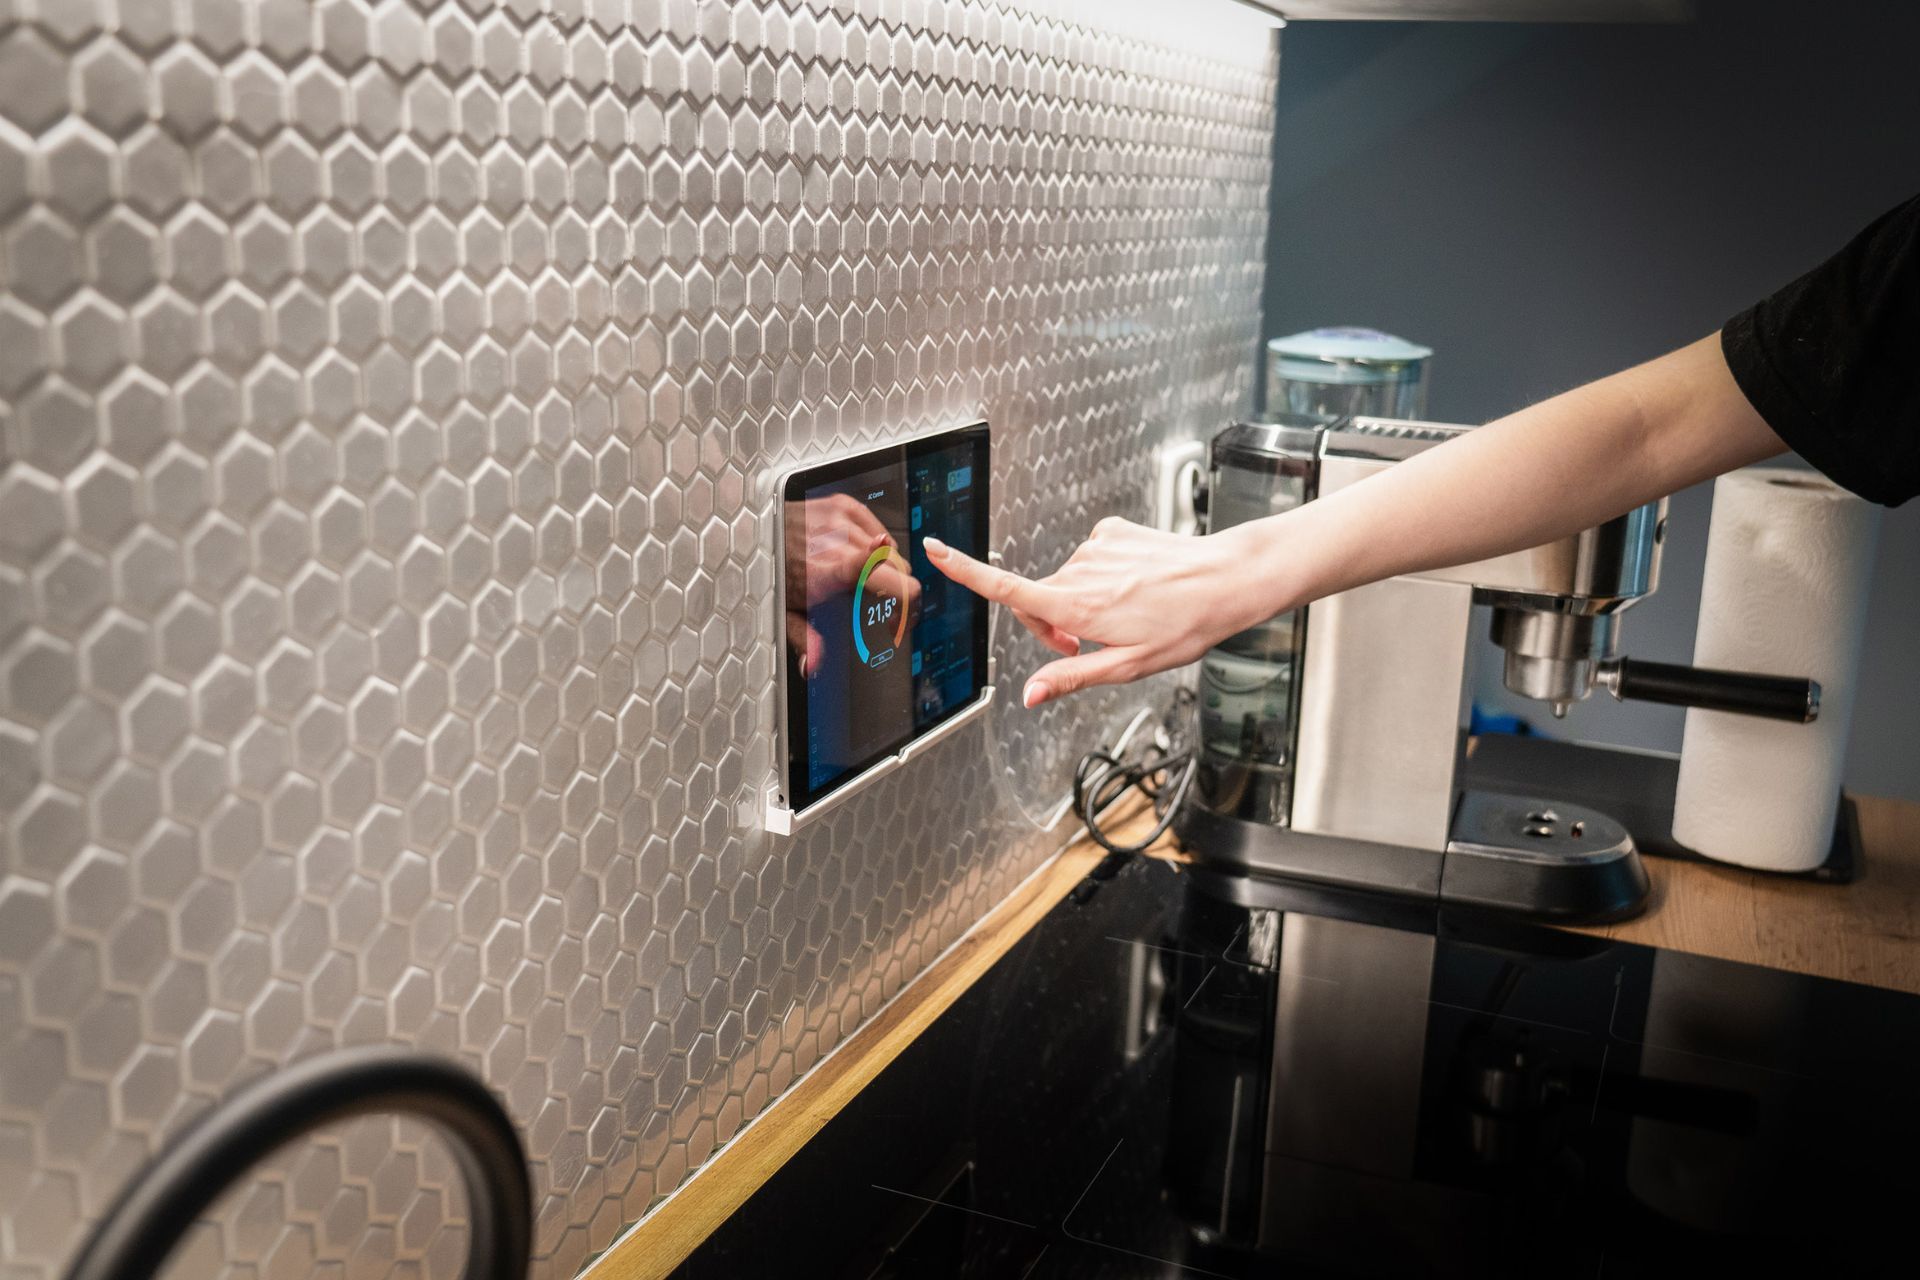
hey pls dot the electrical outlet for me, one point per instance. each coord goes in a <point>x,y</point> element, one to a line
<point>1180,471</point>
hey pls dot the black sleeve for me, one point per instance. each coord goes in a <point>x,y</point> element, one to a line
<point>1832,361</point>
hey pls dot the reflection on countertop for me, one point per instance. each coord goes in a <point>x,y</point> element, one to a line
<point>1184,1073</point>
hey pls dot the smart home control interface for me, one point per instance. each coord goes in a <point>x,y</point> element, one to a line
<point>880,646</point>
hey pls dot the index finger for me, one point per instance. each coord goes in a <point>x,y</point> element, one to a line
<point>1043,602</point>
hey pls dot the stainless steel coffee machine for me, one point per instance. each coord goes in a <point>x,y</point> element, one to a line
<point>1330,737</point>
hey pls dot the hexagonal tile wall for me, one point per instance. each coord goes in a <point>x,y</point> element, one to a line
<point>388,395</point>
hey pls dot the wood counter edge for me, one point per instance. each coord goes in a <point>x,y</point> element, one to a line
<point>674,1228</point>
<point>1868,931</point>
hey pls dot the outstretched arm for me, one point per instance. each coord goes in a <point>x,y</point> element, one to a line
<point>1154,600</point>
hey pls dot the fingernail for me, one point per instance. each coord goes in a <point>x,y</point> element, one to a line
<point>1037,692</point>
<point>936,549</point>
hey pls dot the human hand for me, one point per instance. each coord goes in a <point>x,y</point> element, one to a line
<point>1152,600</point>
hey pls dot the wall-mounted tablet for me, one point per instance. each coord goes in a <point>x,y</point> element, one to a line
<point>881,649</point>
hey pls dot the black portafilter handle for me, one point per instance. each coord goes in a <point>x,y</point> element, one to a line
<point>190,1172</point>
<point>1742,693</point>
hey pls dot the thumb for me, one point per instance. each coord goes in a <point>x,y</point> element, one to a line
<point>1113,665</point>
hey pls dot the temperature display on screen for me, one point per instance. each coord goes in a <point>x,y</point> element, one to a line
<point>879,613</point>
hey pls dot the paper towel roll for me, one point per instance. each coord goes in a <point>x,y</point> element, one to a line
<point>1785,593</point>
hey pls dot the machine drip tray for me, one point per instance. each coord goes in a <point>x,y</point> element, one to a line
<point>1495,859</point>
<point>1634,787</point>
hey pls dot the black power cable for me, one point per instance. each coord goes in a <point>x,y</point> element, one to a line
<point>1162,770</point>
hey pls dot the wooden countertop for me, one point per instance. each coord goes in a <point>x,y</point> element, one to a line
<point>1867,931</point>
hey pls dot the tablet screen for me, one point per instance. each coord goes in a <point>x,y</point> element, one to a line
<point>880,646</point>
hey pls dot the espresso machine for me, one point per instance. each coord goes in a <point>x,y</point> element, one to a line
<point>1330,743</point>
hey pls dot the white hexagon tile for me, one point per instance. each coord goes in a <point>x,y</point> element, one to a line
<point>388,391</point>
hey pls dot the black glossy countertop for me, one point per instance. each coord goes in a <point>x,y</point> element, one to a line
<point>1179,1074</point>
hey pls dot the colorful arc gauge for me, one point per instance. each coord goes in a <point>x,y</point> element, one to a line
<point>895,608</point>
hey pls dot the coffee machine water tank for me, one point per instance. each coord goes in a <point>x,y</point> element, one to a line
<point>1248,694</point>
<point>1347,372</point>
